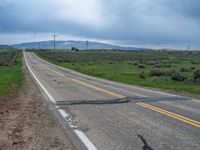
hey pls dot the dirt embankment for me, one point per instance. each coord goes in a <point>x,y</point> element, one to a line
<point>26,124</point>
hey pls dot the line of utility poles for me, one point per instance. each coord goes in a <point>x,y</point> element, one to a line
<point>54,38</point>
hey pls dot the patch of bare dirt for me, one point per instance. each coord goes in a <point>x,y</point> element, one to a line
<point>26,123</point>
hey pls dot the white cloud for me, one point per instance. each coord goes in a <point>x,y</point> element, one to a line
<point>79,11</point>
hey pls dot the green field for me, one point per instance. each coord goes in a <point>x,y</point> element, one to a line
<point>11,74</point>
<point>158,69</point>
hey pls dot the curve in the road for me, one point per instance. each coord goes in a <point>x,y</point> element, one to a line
<point>142,104</point>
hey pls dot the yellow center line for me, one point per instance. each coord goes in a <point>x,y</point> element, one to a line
<point>170,114</point>
<point>100,89</point>
<point>86,84</point>
<point>151,107</point>
<point>197,122</point>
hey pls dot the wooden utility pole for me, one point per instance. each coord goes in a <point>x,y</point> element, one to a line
<point>39,45</point>
<point>87,44</point>
<point>54,44</point>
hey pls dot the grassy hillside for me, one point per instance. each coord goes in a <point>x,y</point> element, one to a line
<point>11,74</point>
<point>4,48</point>
<point>158,69</point>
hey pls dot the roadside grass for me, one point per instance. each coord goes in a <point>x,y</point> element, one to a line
<point>127,72</point>
<point>11,76</point>
<point>6,50</point>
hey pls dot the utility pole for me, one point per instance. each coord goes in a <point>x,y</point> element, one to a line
<point>54,39</point>
<point>188,47</point>
<point>39,45</point>
<point>87,44</point>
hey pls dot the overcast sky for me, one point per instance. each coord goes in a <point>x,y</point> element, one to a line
<point>144,23</point>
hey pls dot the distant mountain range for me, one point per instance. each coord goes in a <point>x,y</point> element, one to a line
<point>70,44</point>
<point>5,47</point>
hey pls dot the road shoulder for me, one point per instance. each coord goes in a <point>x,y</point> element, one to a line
<point>26,123</point>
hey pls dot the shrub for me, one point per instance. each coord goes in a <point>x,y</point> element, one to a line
<point>168,72</point>
<point>157,66</point>
<point>156,72</point>
<point>194,62</point>
<point>7,58</point>
<point>167,66</point>
<point>135,63</point>
<point>151,63</point>
<point>184,69</point>
<point>60,60</point>
<point>196,73</point>
<point>178,77</point>
<point>142,75</point>
<point>192,68</point>
<point>141,66</point>
<point>160,72</point>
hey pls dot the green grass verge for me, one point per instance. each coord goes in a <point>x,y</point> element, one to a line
<point>126,72</point>
<point>11,77</point>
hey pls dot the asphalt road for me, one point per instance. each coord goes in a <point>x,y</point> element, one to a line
<point>115,116</point>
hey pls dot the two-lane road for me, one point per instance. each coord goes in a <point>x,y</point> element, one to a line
<point>118,116</point>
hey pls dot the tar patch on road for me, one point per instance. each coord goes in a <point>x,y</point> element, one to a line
<point>120,101</point>
<point>93,102</point>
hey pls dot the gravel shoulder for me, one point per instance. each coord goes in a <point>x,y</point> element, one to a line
<point>26,123</point>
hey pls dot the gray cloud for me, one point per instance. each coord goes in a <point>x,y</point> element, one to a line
<point>138,22</point>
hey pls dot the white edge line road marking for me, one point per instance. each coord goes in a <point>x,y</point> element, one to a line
<point>80,134</point>
<point>85,140</point>
<point>44,89</point>
<point>63,113</point>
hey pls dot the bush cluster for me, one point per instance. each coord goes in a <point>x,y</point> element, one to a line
<point>142,75</point>
<point>161,66</point>
<point>141,66</point>
<point>156,72</point>
<point>178,77</point>
<point>161,72</point>
<point>194,62</point>
<point>196,73</point>
<point>7,58</point>
<point>184,69</point>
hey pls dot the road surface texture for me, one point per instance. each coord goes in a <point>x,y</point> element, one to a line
<point>106,115</point>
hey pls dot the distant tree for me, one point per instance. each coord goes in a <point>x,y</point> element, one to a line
<point>73,49</point>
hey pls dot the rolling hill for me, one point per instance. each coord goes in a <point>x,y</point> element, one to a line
<point>70,44</point>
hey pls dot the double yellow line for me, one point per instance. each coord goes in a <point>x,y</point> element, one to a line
<point>171,114</point>
<point>100,89</point>
<point>86,84</point>
<point>151,107</point>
